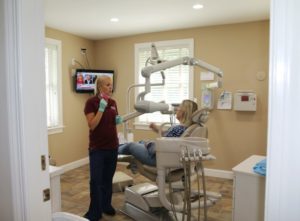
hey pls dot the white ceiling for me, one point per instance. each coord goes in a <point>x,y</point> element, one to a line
<point>91,18</point>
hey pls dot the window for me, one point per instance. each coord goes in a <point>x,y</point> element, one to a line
<point>53,85</point>
<point>179,79</point>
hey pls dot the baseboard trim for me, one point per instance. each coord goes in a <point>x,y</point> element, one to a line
<point>225,174</point>
<point>75,164</point>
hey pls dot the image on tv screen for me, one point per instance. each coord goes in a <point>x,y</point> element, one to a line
<point>86,79</point>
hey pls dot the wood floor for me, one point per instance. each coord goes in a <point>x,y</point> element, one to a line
<point>75,194</point>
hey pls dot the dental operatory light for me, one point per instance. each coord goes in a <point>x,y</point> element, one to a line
<point>197,6</point>
<point>114,20</point>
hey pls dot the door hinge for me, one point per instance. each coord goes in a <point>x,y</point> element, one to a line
<point>46,194</point>
<point>43,162</point>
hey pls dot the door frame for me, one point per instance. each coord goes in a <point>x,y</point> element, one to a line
<point>24,137</point>
<point>283,164</point>
<point>23,112</point>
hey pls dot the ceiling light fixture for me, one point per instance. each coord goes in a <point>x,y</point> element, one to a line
<point>197,6</point>
<point>114,19</point>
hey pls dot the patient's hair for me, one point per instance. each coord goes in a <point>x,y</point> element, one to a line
<point>188,107</point>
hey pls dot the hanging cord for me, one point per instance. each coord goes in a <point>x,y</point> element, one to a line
<point>77,62</point>
<point>203,186</point>
<point>199,199</point>
<point>183,158</point>
<point>84,54</point>
<point>189,209</point>
<point>172,200</point>
<point>197,157</point>
<point>187,185</point>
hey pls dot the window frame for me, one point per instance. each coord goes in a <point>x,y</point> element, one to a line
<point>60,126</point>
<point>189,43</point>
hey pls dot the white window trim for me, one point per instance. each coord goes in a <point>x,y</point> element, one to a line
<point>59,128</point>
<point>56,130</point>
<point>137,47</point>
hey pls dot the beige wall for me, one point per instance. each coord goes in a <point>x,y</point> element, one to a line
<point>71,145</point>
<point>240,50</point>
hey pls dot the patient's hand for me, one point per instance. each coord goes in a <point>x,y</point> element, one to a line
<point>154,127</point>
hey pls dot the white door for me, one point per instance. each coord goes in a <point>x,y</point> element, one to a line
<point>23,136</point>
<point>283,164</point>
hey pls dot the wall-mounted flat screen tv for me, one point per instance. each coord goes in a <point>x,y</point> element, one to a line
<point>85,79</point>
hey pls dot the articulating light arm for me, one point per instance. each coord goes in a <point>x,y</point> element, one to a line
<point>196,62</point>
<point>147,71</point>
<point>143,106</point>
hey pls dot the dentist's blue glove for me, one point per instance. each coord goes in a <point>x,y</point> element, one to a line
<point>119,119</point>
<point>102,105</point>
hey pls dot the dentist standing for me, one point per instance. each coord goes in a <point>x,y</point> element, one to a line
<point>102,117</point>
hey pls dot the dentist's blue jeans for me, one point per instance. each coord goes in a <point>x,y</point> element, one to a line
<point>102,168</point>
<point>146,155</point>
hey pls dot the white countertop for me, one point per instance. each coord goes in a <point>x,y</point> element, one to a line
<point>247,165</point>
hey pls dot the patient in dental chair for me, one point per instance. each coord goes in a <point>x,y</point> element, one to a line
<point>144,151</point>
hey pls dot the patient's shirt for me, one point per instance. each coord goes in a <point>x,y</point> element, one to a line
<point>175,131</point>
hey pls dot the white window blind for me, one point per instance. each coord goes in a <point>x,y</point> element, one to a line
<point>178,83</point>
<point>53,85</point>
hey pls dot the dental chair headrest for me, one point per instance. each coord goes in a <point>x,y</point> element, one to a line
<point>200,116</point>
<point>198,128</point>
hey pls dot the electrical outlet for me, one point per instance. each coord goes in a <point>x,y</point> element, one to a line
<point>73,61</point>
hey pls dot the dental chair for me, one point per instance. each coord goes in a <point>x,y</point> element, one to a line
<point>197,129</point>
<point>178,164</point>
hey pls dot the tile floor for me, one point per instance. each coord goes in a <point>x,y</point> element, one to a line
<point>75,194</point>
